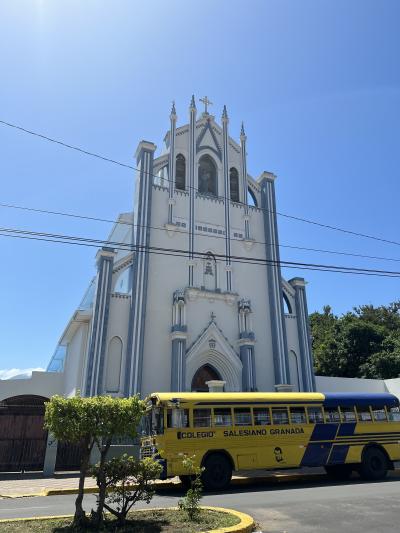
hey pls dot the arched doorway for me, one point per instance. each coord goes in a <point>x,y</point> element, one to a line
<point>23,437</point>
<point>204,373</point>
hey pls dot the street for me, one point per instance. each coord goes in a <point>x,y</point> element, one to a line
<point>320,506</point>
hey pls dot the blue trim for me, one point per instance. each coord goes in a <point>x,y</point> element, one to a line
<point>363,399</point>
<point>338,454</point>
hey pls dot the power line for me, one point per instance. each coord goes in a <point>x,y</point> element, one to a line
<point>119,163</point>
<point>84,241</point>
<point>158,228</point>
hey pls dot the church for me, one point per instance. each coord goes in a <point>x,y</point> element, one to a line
<point>187,295</point>
<point>188,292</point>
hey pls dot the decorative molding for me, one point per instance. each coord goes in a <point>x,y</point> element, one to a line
<point>193,294</point>
<point>120,295</point>
<point>248,244</point>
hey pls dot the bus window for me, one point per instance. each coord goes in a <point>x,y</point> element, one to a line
<point>298,415</point>
<point>222,416</point>
<point>315,415</point>
<point>280,415</point>
<point>261,416</point>
<point>177,418</point>
<point>379,414</point>
<point>364,414</point>
<point>394,414</point>
<point>202,418</point>
<point>348,414</point>
<point>242,416</point>
<point>332,414</point>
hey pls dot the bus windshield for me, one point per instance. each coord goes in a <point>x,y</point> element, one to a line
<point>153,422</point>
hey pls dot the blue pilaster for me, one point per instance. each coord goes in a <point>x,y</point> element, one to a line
<point>192,186</point>
<point>227,203</point>
<point>178,338</point>
<point>99,323</point>
<point>171,164</point>
<point>275,295</point>
<point>243,159</point>
<point>303,328</point>
<point>140,268</point>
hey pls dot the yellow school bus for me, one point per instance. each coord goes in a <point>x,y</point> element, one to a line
<point>243,431</point>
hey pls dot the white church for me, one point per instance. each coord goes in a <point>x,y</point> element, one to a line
<point>188,294</point>
<point>189,288</point>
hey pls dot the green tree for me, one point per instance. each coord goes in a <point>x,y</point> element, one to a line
<point>127,481</point>
<point>89,422</point>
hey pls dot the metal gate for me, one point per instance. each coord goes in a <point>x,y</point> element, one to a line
<point>68,456</point>
<point>22,435</point>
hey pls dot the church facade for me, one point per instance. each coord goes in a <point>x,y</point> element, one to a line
<point>189,287</point>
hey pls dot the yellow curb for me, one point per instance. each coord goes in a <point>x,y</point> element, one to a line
<point>245,525</point>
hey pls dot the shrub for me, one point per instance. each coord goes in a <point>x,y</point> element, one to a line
<point>190,504</point>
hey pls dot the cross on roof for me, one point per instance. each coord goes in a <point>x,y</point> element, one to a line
<point>213,316</point>
<point>206,103</point>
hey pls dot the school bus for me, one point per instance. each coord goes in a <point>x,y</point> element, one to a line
<point>242,431</point>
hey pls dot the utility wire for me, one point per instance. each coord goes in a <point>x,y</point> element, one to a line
<point>119,163</point>
<point>83,241</point>
<point>158,228</point>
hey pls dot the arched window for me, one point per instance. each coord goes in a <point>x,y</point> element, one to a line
<point>207,176</point>
<point>204,373</point>
<point>251,198</point>
<point>234,184</point>
<point>180,172</point>
<point>210,272</point>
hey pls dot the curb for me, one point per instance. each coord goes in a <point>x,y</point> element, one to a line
<point>168,485</point>
<point>245,525</point>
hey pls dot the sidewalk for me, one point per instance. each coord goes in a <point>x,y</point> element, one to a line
<point>34,484</point>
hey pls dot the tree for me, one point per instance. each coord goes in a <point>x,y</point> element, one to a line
<point>90,421</point>
<point>364,342</point>
<point>191,502</point>
<point>127,481</point>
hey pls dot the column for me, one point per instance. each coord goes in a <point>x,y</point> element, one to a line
<point>140,268</point>
<point>274,288</point>
<point>243,159</point>
<point>192,186</point>
<point>246,346</point>
<point>99,323</point>
<point>178,338</point>
<point>171,164</point>
<point>227,194</point>
<point>303,328</point>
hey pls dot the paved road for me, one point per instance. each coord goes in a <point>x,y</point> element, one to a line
<point>323,507</point>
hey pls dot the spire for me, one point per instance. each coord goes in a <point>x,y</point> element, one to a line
<point>225,113</point>
<point>173,110</point>
<point>242,133</point>
<point>192,103</point>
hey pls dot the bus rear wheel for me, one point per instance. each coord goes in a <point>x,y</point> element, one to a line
<point>217,472</point>
<point>339,472</point>
<point>374,464</point>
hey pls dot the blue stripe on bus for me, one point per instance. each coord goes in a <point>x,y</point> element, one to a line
<point>346,429</point>
<point>324,432</point>
<point>316,454</point>
<point>338,454</point>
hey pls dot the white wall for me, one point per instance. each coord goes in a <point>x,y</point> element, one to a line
<point>335,384</point>
<point>41,384</point>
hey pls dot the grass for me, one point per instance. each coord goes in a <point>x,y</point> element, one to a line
<point>156,521</point>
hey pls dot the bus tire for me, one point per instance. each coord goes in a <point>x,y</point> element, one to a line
<point>374,464</point>
<point>217,472</point>
<point>339,472</point>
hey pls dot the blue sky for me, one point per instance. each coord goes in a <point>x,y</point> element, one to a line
<point>317,84</point>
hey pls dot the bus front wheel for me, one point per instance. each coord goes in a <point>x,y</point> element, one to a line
<point>217,472</point>
<point>374,464</point>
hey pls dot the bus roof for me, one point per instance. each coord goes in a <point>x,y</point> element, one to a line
<point>329,399</point>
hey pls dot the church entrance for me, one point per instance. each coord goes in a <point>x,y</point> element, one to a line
<point>204,373</point>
